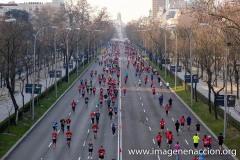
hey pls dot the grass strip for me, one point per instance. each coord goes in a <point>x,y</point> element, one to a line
<point>8,139</point>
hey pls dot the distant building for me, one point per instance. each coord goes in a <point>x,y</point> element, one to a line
<point>4,7</point>
<point>27,6</point>
<point>155,8</point>
<point>119,17</point>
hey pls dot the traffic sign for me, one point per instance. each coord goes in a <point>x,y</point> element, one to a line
<point>179,68</point>
<point>28,88</point>
<point>231,100</point>
<point>59,74</point>
<point>187,78</point>
<point>51,74</point>
<point>172,68</point>
<point>70,65</point>
<point>167,61</point>
<point>37,89</point>
<point>219,99</point>
<point>195,78</point>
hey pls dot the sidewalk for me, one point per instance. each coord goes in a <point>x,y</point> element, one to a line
<point>203,89</point>
<point>6,105</point>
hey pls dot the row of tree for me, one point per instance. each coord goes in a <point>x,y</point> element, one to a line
<point>207,29</point>
<point>17,38</point>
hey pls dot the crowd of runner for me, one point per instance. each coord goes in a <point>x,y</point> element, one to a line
<point>106,90</point>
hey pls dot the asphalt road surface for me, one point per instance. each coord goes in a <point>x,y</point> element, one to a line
<point>138,124</point>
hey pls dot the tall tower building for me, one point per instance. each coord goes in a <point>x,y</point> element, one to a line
<point>155,8</point>
<point>156,5</point>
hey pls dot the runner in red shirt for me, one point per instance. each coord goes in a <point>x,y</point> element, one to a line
<point>125,80</point>
<point>101,90</point>
<point>195,158</point>
<point>73,105</point>
<point>153,92</point>
<point>110,112</point>
<point>101,153</point>
<point>79,89</point>
<point>162,123</point>
<point>54,138</point>
<point>124,91</point>
<point>182,122</point>
<point>94,90</point>
<point>166,109</point>
<point>170,139</point>
<point>205,141</point>
<point>166,134</point>
<point>68,121</point>
<point>151,84</point>
<point>92,115</point>
<point>159,139</point>
<point>95,129</point>
<point>69,137</point>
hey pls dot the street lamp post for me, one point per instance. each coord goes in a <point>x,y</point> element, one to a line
<point>225,97</point>
<point>55,50</point>
<point>176,62</point>
<point>34,69</point>
<point>69,29</point>
<point>93,40</point>
<point>190,48</point>
<point>77,48</point>
<point>165,49</point>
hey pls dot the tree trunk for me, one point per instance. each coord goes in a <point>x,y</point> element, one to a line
<point>215,107</point>
<point>195,92</point>
<point>10,88</point>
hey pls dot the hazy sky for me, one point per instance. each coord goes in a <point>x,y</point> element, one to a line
<point>130,9</point>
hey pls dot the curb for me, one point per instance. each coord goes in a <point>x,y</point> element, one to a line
<point>24,136</point>
<point>199,119</point>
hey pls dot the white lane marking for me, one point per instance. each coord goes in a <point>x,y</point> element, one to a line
<point>173,119</point>
<point>88,131</point>
<point>140,98</point>
<point>138,93</point>
<point>50,145</point>
<point>150,128</point>
<point>144,110</point>
<point>153,141</point>
<point>79,158</point>
<point>84,143</point>
<point>69,113</point>
<point>186,141</point>
<point>159,157</point>
<point>142,104</point>
<point>77,101</point>
<point>157,93</point>
<point>58,131</point>
<point>146,118</point>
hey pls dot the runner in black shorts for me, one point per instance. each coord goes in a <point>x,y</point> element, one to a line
<point>90,148</point>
